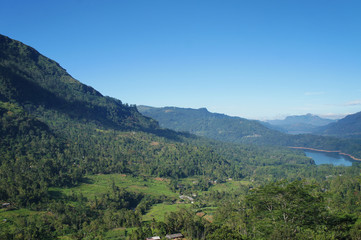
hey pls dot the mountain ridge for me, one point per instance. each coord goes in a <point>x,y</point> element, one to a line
<point>297,124</point>
<point>347,127</point>
<point>30,78</point>
<point>204,123</point>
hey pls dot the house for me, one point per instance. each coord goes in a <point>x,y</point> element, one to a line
<point>183,197</point>
<point>5,205</point>
<point>153,238</point>
<point>174,236</point>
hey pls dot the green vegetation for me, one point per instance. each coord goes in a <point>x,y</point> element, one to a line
<point>96,185</point>
<point>348,127</point>
<point>203,123</point>
<point>77,165</point>
<point>239,130</point>
<point>159,211</point>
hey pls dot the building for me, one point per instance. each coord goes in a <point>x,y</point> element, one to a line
<point>174,236</point>
<point>153,238</point>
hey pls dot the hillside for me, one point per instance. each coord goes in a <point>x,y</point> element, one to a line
<point>348,127</point>
<point>239,130</point>
<point>204,123</point>
<point>90,132</point>
<point>75,164</point>
<point>39,84</point>
<point>300,124</point>
<point>87,133</point>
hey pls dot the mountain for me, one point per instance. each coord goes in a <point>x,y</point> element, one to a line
<point>204,123</point>
<point>300,124</point>
<point>239,130</point>
<point>56,130</point>
<point>75,164</point>
<point>39,83</point>
<point>347,127</point>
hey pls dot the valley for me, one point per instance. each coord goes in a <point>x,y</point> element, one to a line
<point>79,165</point>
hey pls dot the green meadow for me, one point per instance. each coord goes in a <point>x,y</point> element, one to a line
<point>230,186</point>
<point>96,185</point>
<point>158,211</point>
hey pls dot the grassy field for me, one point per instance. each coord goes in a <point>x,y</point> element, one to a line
<point>158,211</point>
<point>12,216</point>
<point>9,215</point>
<point>96,185</point>
<point>230,186</point>
<point>118,233</point>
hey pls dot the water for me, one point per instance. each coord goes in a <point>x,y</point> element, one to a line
<point>329,158</point>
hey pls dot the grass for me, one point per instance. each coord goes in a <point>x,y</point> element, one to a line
<point>158,211</point>
<point>118,233</point>
<point>230,186</point>
<point>10,217</point>
<point>11,214</point>
<point>96,185</point>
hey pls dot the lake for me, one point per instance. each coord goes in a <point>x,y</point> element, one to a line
<point>329,158</point>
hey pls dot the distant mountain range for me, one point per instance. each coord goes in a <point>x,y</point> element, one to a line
<point>213,125</point>
<point>240,130</point>
<point>347,127</point>
<point>308,123</point>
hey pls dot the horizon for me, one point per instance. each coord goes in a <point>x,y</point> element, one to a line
<point>257,60</point>
<point>280,117</point>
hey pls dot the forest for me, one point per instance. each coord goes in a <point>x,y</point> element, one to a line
<point>77,165</point>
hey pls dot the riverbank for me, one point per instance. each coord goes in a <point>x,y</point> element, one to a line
<point>328,151</point>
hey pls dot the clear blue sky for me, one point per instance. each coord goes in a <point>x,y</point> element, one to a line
<point>255,59</point>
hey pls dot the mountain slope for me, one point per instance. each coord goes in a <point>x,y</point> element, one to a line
<point>55,130</point>
<point>95,134</point>
<point>204,123</point>
<point>31,79</point>
<point>349,127</point>
<point>238,130</point>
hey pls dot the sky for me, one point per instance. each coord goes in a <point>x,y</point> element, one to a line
<point>257,59</point>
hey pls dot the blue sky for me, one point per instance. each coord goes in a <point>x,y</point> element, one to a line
<point>258,59</point>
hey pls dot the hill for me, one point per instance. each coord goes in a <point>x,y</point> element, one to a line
<point>204,123</point>
<point>61,130</point>
<point>348,127</point>
<point>300,124</point>
<point>84,132</point>
<point>239,130</point>
<point>75,164</point>
<point>39,84</point>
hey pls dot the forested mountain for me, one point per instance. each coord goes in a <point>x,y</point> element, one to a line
<point>82,132</point>
<point>40,85</point>
<point>204,123</point>
<point>61,141</point>
<point>300,124</point>
<point>349,127</point>
<point>239,130</point>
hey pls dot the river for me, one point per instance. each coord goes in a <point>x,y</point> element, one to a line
<point>329,158</point>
